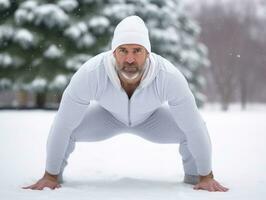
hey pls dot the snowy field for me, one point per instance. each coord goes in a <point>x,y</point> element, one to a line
<point>128,167</point>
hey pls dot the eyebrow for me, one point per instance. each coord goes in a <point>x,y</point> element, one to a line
<point>137,48</point>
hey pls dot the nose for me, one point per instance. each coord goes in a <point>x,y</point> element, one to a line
<point>130,58</point>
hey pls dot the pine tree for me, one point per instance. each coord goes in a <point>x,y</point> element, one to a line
<point>7,63</point>
<point>46,41</point>
<point>49,40</point>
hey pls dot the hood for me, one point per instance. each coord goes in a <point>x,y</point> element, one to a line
<point>150,72</point>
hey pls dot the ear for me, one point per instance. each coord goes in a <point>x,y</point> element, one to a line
<point>147,54</point>
<point>114,54</point>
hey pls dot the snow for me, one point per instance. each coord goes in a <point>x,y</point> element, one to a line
<point>68,5</point>
<point>99,21</point>
<point>79,33</point>
<point>153,9</point>
<point>75,31</point>
<point>51,15</point>
<point>22,16</point>
<point>5,60</point>
<point>59,82</point>
<point>24,37</point>
<point>4,4</point>
<point>129,167</point>
<point>53,52</point>
<point>192,56</point>
<point>86,40</point>
<point>29,5</point>
<point>119,11</point>
<point>6,32</point>
<point>38,84</point>
<point>25,12</point>
<point>160,35</point>
<point>76,61</point>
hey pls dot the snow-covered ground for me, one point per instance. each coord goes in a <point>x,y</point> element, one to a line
<point>128,167</point>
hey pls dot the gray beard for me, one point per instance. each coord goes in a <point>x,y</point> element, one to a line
<point>135,75</point>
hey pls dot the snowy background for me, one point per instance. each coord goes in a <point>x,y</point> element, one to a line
<point>128,167</point>
<point>42,44</point>
<point>219,46</point>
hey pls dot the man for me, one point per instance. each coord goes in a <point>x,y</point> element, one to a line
<point>130,89</point>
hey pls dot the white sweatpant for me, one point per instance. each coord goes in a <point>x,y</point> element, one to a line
<point>98,124</point>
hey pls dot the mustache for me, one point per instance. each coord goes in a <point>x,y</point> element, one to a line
<point>130,65</point>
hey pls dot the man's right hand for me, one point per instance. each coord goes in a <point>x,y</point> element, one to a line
<point>47,181</point>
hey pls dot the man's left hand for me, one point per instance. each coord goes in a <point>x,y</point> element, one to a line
<point>208,183</point>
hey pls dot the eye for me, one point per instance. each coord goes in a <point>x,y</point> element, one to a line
<point>122,50</point>
<point>138,50</point>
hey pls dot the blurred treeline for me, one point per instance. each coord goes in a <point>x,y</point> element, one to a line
<point>235,34</point>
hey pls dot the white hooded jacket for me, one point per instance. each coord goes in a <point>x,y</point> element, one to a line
<point>98,81</point>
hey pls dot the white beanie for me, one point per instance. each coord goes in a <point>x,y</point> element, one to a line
<point>131,30</point>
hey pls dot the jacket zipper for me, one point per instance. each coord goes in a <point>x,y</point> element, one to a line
<point>128,107</point>
<point>129,120</point>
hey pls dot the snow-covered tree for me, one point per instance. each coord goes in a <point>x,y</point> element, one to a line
<point>45,41</point>
<point>6,33</point>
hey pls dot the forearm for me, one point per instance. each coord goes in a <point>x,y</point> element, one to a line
<point>68,117</point>
<point>190,122</point>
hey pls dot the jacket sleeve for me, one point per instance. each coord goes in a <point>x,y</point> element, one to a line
<point>184,110</point>
<point>76,98</point>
